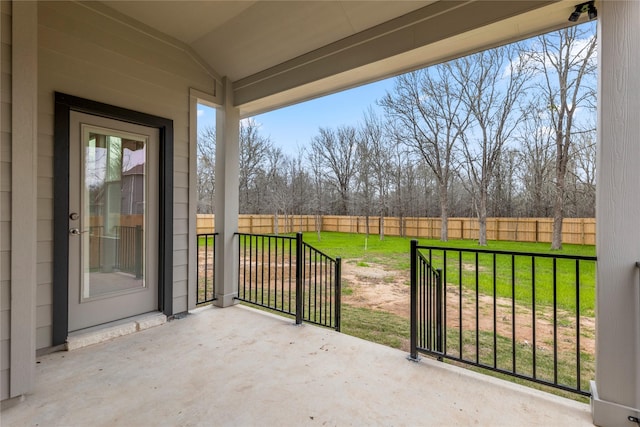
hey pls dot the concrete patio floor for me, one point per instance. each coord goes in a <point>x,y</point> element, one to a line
<point>239,366</point>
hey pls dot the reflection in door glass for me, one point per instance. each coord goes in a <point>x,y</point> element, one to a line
<point>113,214</point>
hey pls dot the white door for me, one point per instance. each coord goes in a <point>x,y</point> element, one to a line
<point>113,221</point>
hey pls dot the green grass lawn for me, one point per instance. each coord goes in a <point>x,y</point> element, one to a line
<point>392,248</point>
<point>393,253</point>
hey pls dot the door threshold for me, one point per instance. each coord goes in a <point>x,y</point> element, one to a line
<point>108,331</point>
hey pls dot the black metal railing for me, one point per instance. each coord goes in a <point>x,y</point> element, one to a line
<point>520,314</point>
<point>320,285</point>
<point>286,275</point>
<point>129,249</point>
<point>206,290</point>
<point>427,310</point>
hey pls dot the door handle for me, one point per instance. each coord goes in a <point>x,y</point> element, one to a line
<point>74,231</point>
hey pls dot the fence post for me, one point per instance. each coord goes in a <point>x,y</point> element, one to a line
<point>414,300</point>
<point>338,279</point>
<point>299,278</point>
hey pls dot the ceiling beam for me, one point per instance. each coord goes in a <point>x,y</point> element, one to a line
<point>423,27</point>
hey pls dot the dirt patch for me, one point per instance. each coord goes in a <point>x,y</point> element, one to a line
<point>378,288</point>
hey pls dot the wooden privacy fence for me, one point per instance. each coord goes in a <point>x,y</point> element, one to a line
<point>581,231</point>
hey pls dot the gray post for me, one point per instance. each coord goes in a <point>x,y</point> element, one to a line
<point>414,300</point>
<point>227,199</point>
<point>338,302</point>
<point>299,278</point>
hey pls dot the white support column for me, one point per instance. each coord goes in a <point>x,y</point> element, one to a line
<point>616,391</point>
<point>192,277</point>
<point>24,170</point>
<point>227,198</point>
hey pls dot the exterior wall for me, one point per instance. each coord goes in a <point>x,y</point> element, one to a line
<point>5,200</point>
<point>618,212</point>
<point>88,54</point>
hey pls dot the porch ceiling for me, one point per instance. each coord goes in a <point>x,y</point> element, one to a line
<point>241,38</point>
<point>281,52</point>
<point>239,366</point>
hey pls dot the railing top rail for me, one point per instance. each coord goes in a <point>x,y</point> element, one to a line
<point>265,235</point>
<point>208,234</point>
<point>319,251</point>
<point>424,258</point>
<point>501,252</point>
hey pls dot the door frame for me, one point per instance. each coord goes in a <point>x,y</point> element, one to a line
<point>64,104</point>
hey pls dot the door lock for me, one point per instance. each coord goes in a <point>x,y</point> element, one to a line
<point>73,216</point>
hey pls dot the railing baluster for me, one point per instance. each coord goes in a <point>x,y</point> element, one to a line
<point>269,271</point>
<point>495,315</point>
<point>414,300</point>
<point>555,322</point>
<point>533,314</point>
<point>338,306</point>
<point>439,296</point>
<point>299,277</point>
<point>290,271</point>
<point>477,312</point>
<point>513,313</point>
<point>578,355</point>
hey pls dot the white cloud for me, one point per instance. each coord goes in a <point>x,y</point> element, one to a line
<point>200,113</point>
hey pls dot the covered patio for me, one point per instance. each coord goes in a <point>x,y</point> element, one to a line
<point>139,70</point>
<point>261,369</point>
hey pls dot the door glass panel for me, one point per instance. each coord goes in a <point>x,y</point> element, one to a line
<point>113,220</point>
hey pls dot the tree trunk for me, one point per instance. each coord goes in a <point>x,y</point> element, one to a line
<point>558,213</point>
<point>444,212</point>
<point>275,223</point>
<point>482,218</point>
<point>318,226</point>
<point>366,225</point>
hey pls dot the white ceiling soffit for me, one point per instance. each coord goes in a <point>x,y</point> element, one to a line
<point>278,53</point>
<point>241,38</point>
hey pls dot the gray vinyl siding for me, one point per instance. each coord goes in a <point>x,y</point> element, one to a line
<point>5,201</point>
<point>86,54</point>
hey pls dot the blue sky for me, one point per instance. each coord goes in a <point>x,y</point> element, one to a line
<point>294,126</point>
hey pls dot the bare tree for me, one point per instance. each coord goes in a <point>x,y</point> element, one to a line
<point>536,160</point>
<point>581,176</point>
<point>566,61</point>
<point>275,185</point>
<point>503,185</point>
<point>253,155</point>
<point>375,164</point>
<point>492,82</point>
<point>337,151</point>
<point>301,182</point>
<point>317,170</point>
<point>206,176</point>
<point>431,118</point>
